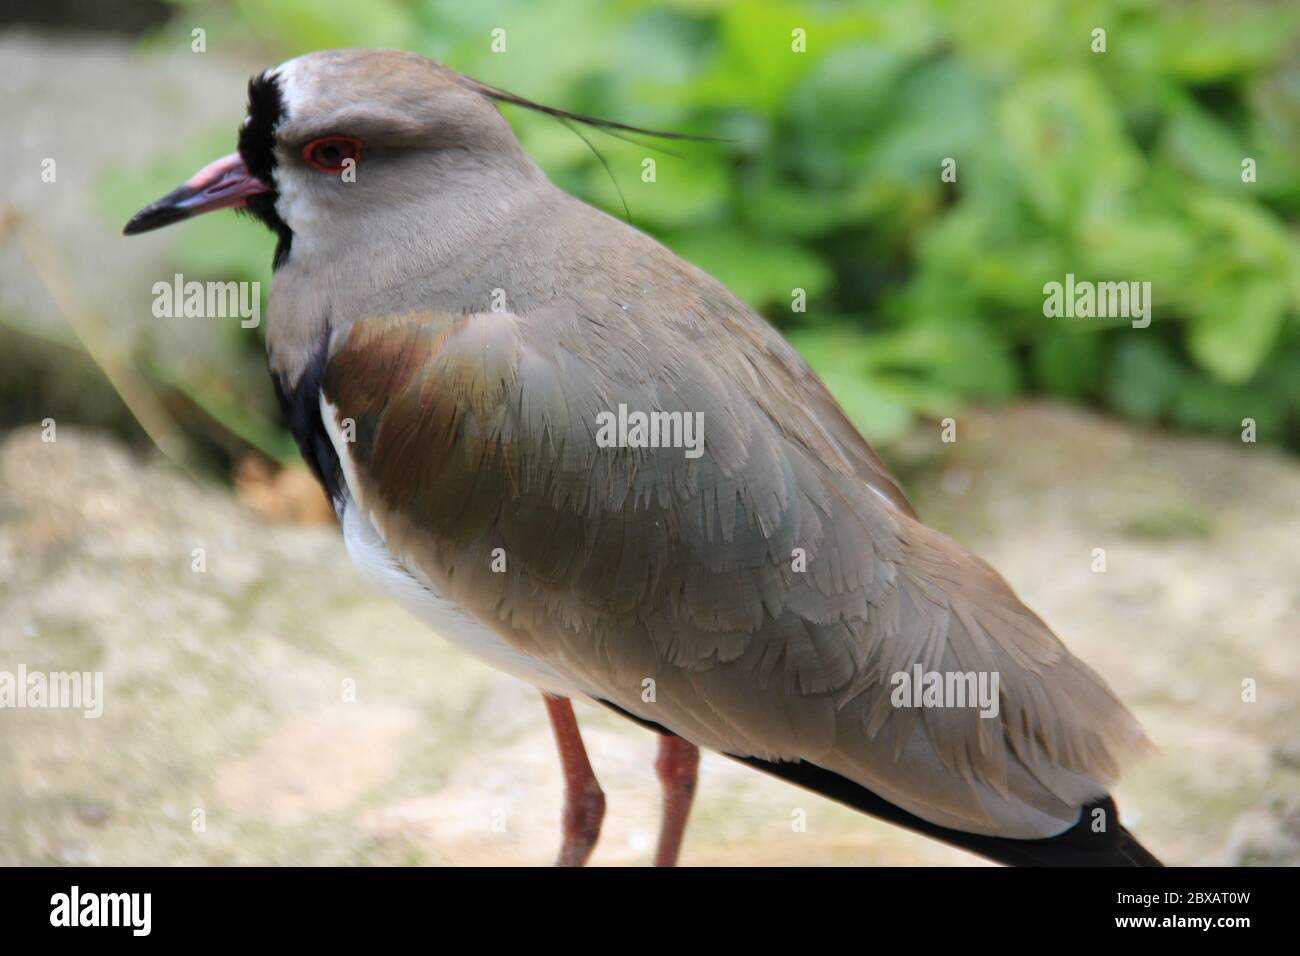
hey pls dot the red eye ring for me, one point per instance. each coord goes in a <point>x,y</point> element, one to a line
<point>329,153</point>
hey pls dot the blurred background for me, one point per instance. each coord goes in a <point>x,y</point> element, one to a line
<point>1172,448</point>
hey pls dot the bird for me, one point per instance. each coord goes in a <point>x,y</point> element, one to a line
<point>495,384</point>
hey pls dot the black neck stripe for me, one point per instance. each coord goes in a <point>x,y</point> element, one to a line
<point>257,148</point>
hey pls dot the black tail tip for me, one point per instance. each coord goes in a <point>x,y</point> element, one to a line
<point>1098,839</point>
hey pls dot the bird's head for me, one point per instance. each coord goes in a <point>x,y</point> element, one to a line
<point>336,138</point>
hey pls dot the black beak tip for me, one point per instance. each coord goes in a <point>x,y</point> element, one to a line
<point>153,216</point>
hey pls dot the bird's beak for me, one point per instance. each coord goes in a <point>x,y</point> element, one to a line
<point>223,184</point>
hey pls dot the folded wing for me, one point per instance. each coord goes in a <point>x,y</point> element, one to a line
<point>757,599</point>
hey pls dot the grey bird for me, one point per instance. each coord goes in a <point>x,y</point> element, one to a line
<point>451,336</point>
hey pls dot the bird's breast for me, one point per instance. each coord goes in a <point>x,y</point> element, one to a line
<point>389,575</point>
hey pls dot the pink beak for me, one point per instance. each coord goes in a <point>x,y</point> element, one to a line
<point>223,184</point>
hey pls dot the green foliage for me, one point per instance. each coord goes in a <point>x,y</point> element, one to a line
<point>921,294</point>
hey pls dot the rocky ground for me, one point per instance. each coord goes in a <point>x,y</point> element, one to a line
<point>269,709</point>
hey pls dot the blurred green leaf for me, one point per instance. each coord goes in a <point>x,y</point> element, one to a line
<point>1204,146</point>
<point>758,269</point>
<point>1237,327</point>
<point>684,191</point>
<point>306,25</point>
<point>1068,364</point>
<point>1145,378</point>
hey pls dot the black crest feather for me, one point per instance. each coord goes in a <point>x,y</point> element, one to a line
<point>502,96</point>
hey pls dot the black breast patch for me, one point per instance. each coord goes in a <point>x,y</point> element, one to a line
<point>300,405</point>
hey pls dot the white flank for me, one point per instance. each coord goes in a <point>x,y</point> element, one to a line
<point>369,552</point>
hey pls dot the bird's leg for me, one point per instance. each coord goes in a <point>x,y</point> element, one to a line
<point>678,767</point>
<point>584,801</point>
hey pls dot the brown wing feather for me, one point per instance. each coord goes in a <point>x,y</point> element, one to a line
<point>478,432</point>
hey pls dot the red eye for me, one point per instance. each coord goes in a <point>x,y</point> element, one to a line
<point>331,152</point>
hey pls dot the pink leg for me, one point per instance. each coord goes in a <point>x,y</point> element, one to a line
<point>678,767</point>
<point>584,802</point>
